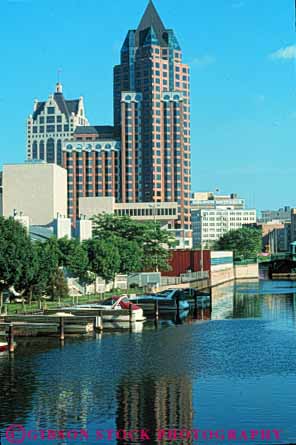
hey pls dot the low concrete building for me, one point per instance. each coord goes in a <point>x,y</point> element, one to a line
<point>281,215</point>
<point>83,229</point>
<point>210,200</point>
<point>163,212</point>
<point>275,236</point>
<point>62,227</point>
<point>37,189</point>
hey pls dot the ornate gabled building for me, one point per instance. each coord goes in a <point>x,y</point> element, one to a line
<point>51,123</point>
<point>152,117</point>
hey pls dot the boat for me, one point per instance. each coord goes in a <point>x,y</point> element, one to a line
<point>113,309</point>
<point>3,346</point>
<point>3,342</point>
<point>167,301</point>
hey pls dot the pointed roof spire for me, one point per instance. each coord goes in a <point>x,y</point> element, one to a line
<point>151,19</point>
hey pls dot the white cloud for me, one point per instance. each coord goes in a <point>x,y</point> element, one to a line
<point>287,53</point>
<point>203,61</point>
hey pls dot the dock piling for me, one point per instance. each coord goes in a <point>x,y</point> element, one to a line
<point>156,310</point>
<point>10,338</point>
<point>98,324</point>
<point>62,329</point>
<point>195,306</point>
<point>211,299</point>
<point>178,305</point>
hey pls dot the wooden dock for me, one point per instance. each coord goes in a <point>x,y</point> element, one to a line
<point>44,325</point>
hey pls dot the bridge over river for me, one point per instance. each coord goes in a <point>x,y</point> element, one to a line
<point>278,264</point>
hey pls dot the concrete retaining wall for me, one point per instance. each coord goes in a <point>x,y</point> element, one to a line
<point>222,276</point>
<point>235,272</point>
<point>246,271</point>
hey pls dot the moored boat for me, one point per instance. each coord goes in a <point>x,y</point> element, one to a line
<point>4,343</point>
<point>116,308</point>
<point>169,300</point>
<point>3,346</point>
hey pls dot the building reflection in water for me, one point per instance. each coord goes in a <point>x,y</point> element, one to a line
<point>155,404</point>
<point>222,302</point>
<point>18,385</point>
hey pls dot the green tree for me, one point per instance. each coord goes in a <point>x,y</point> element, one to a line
<point>108,225</point>
<point>46,257</point>
<point>131,255</point>
<point>142,245</point>
<point>104,258</point>
<point>245,242</point>
<point>156,245</point>
<point>57,286</point>
<point>73,256</point>
<point>15,254</point>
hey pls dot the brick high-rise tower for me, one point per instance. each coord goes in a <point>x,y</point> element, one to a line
<point>152,115</point>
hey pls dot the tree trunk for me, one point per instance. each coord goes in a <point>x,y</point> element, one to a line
<point>30,296</point>
<point>1,301</point>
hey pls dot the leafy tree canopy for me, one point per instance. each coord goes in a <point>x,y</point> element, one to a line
<point>245,242</point>
<point>15,253</point>
<point>104,258</point>
<point>73,256</point>
<point>142,245</point>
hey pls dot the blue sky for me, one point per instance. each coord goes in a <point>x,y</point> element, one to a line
<point>243,80</point>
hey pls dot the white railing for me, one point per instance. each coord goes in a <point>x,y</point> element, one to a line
<point>184,278</point>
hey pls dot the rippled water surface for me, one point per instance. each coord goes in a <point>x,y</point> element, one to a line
<point>235,371</point>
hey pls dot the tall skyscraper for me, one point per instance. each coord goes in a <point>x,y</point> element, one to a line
<point>51,123</point>
<point>152,117</point>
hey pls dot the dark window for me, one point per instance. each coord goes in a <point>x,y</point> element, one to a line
<point>59,152</point>
<point>59,118</point>
<point>35,150</point>
<point>35,130</point>
<point>50,128</point>
<point>50,119</point>
<point>41,120</point>
<point>50,151</point>
<point>66,127</point>
<point>41,150</point>
<point>59,128</point>
<point>50,110</point>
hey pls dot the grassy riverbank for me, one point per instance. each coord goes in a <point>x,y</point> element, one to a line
<point>22,308</point>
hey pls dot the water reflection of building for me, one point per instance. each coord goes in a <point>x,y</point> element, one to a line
<point>18,386</point>
<point>154,405</point>
<point>222,301</point>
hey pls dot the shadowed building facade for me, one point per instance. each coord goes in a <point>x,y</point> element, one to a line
<point>152,118</point>
<point>92,160</point>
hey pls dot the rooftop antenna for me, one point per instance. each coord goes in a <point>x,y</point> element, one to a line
<point>59,87</point>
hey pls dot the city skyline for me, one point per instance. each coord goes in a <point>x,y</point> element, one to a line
<point>229,109</point>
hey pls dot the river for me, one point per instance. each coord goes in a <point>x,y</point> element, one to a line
<point>236,371</point>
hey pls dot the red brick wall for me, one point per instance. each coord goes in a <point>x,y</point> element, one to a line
<point>184,260</point>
